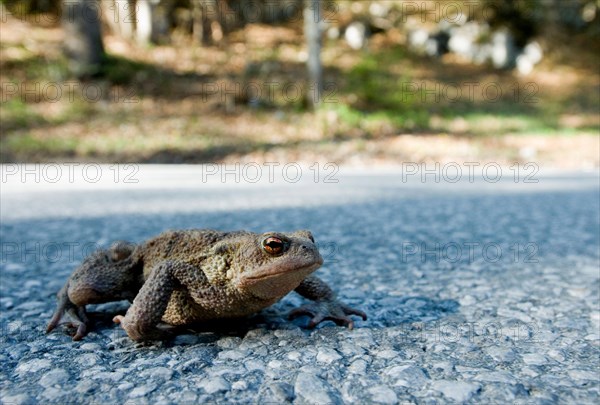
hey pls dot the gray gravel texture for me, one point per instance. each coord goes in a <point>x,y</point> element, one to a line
<point>450,321</point>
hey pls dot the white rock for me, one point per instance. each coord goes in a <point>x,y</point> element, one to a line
<point>275,364</point>
<point>294,355</point>
<point>214,385</point>
<point>386,354</point>
<point>383,395</point>
<point>444,366</point>
<point>253,364</point>
<point>463,38</point>
<point>511,313</point>
<point>142,390</point>
<point>458,391</point>
<point>313,389</point>
<point>379,9</point>
<point>583,375</point>
<point>187,397</point>
<point>524,65</point>
<point>527,152</point>
<point>327,355</point>
<point>503,47</point>
<point>535,359</point>
<point>85,386</point>
<point>358,366</point>
<point>407,375</point>
<point>350,350</point>
<point>58,376</point>
<point>418,38</point>
<point>502,354</point>
<point>90,347</point>
<point>91,372</point>
<point>556,355</point>
<point>229,342</point>
<point>17,399</point>
<point>163,373</point>
<point>363,338</point>
<point>232,355</point>
<point>107,375</point>
<point>496,376</point>
<point>125,386</point>
<point>528,371</point>
<point>356,35</point>
<point>87,359</point>
<point>333,33</point>
<point>467,300</point>
<point>53,393</point>
<point>32,366</point>
<point>239,385</point>
<point>534,52</point>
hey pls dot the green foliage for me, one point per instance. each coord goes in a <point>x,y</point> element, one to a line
<point>123,71</point>
<point>381,96</point>
<point>35,67</point>
<point>33,146</point>
<point>16,113</point>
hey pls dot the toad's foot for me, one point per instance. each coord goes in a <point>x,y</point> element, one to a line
<point>76,315</point>
<point>320,311</point>
<point>161,331</point>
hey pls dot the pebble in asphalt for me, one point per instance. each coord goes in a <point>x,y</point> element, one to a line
<point>484,293</point>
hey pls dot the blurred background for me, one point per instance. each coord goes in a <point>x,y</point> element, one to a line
<point>353,82</point>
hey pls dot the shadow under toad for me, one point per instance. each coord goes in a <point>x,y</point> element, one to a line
<point>394,310</point>
<point>383,312</point>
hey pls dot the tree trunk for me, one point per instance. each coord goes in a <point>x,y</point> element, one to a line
<point>202,29</point>
<point>312,33</point>
<point>120,16</point>
<point>83,37</point>
<point>152,21</point>
<point>143,22</point>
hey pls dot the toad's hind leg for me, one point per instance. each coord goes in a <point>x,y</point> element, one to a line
<point>106,275</point>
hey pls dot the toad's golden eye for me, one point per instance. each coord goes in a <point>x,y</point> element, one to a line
<point>273,246</point>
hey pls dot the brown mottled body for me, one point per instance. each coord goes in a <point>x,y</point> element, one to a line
<point>183,277</point>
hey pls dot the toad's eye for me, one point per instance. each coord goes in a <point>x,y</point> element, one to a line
<point>273,246</point>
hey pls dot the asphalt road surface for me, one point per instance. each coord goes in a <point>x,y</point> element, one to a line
<point>483,289</point>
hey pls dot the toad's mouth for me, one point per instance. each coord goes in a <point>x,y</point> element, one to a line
<point>279,271</point>
<point>273,282</point>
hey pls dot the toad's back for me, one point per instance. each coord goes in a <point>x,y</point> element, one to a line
<point>190,246</point>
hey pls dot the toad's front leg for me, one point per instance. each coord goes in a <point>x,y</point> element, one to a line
<point>142,321</point>
<point>325,306</point>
